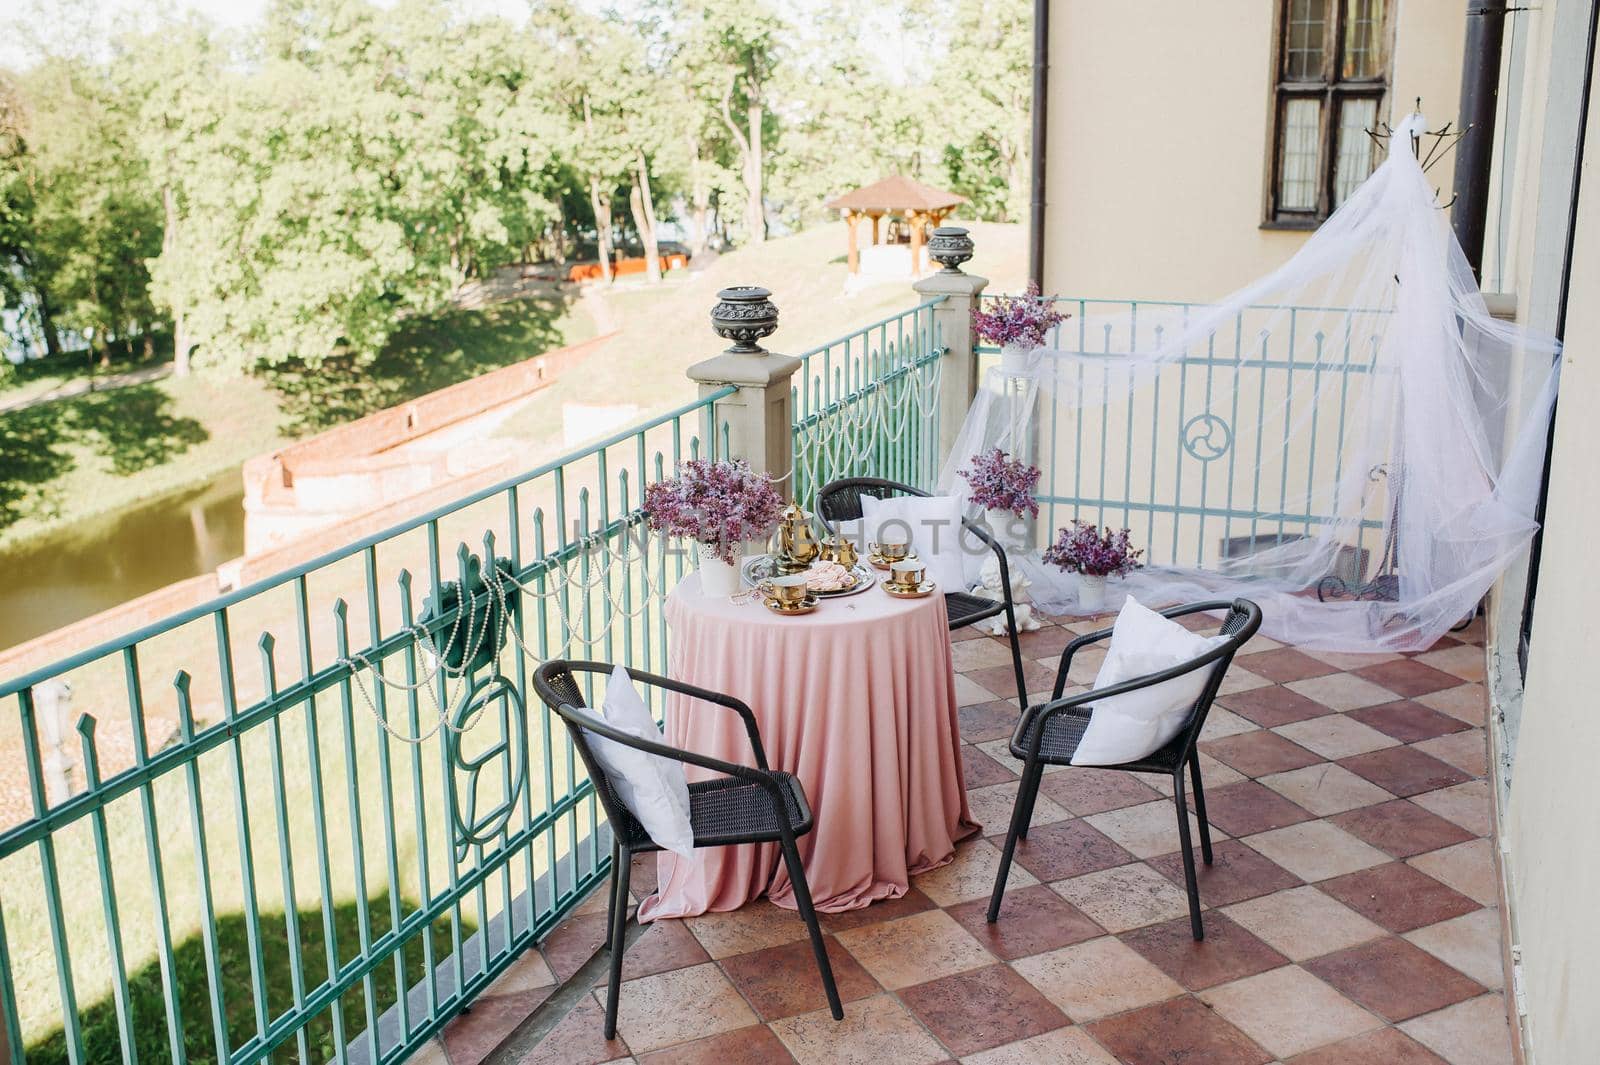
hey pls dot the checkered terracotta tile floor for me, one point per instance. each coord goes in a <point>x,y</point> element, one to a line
<point>1351,912</point>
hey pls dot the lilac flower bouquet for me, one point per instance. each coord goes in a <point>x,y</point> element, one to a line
<point>716,504</point>
<point>1024,320</point>
<point>1000,482</point>
<point>1083,548</point>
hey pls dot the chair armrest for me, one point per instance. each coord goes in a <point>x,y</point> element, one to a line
<point>589,722</point>
<point>716,699</point>
<point>1059,705</point>
<point>977,530</point>
<point>1036,718</point>
<point>1066,658</point>
<point>1170,612</point>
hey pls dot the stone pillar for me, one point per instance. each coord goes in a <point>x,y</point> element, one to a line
<point>759,415</point>
<point>958,374</point>
<point>851,218</point>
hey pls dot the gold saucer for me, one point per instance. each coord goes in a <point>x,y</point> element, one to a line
<point>879,562</point>
<point>923,589</point>
<point>806,607</point>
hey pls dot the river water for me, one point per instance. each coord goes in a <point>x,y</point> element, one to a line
<point>105,561</point>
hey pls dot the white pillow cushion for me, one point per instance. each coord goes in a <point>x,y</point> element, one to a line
<point>931,523</point>
<point>1127,727</point>
<point>653,788</point>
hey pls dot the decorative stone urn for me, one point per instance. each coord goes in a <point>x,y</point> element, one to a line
<point>744,314</point>
<point>950,247</point>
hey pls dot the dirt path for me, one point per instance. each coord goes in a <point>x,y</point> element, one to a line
<point>79,387</point>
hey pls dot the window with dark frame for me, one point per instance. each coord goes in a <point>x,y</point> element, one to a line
<point>1332,70</point>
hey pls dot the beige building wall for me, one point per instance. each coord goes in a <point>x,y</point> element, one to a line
<point>1551,817</point>
<point>1159,129</point>
<point>1553,822</point>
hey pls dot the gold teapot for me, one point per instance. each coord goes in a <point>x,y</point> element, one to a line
<point>797,545</point>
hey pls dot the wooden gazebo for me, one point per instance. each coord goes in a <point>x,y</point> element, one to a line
<point>917,204</point>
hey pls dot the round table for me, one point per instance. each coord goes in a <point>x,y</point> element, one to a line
<point>858,701</point>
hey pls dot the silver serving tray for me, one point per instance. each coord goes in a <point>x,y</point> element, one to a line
<point>759,568</point>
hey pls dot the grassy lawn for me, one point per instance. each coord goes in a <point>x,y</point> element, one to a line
<point>104,451</point>
<point>147,1000</point>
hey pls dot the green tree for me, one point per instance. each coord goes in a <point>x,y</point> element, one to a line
<point>580,49</point>
<point>731,53</point>
<point>987,138</point>
<point>79,219</point>
<point>169,77</point>
<point>366,164</point>
<point>849,122</point>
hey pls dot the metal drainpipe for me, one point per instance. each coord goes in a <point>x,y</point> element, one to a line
<point>1480,91</point>
<point>1041,87</point>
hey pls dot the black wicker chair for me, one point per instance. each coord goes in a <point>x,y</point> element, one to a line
<point>841,501</point>
<point>1049,735</point>
<point>743,805</point>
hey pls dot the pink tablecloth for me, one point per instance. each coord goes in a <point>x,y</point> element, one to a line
<point>858,701</point>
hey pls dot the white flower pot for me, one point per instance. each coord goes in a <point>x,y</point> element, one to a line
<point>1012,532</point>
<point>1091,592</point>
<point>1014,357</point>
<point>716,576</point>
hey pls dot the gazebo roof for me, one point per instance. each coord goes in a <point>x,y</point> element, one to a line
<point>896,193</point>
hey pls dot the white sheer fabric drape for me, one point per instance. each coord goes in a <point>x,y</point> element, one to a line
<point>1353,424</point>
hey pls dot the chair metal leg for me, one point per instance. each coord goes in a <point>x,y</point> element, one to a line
<point>1189,882</point>
<point>802,900</point>
<point>1200,806</point>
<point>1016,657</point>
<point>620,873</point>
<point>611,900</point>
<point>1019,820</point>
<point>1031,790</point>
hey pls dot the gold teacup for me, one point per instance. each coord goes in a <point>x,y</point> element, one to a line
<point>892,550</point>
<point>788,591</point>
<point>906,574</point>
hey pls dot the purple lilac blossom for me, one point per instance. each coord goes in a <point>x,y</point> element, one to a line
<point>1024,320</point>
<point>1086,549</point>
<point>1000,482</point>
<point>718,504</point>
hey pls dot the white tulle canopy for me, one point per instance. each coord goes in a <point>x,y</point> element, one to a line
<point>1352,441</point>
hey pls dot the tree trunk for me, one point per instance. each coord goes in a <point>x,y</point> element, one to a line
<point>699,200</point>
<point>755,212</point>
<point>699,228</point>
<point>47,322</point>
<point>602,226</point>
<point>748,142</point>
<point>181,343</point>
<point>644,216</point>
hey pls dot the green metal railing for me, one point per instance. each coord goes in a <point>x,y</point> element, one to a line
<point>327,854</point>
<point>867,404</point>
<point>1225,447</point>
